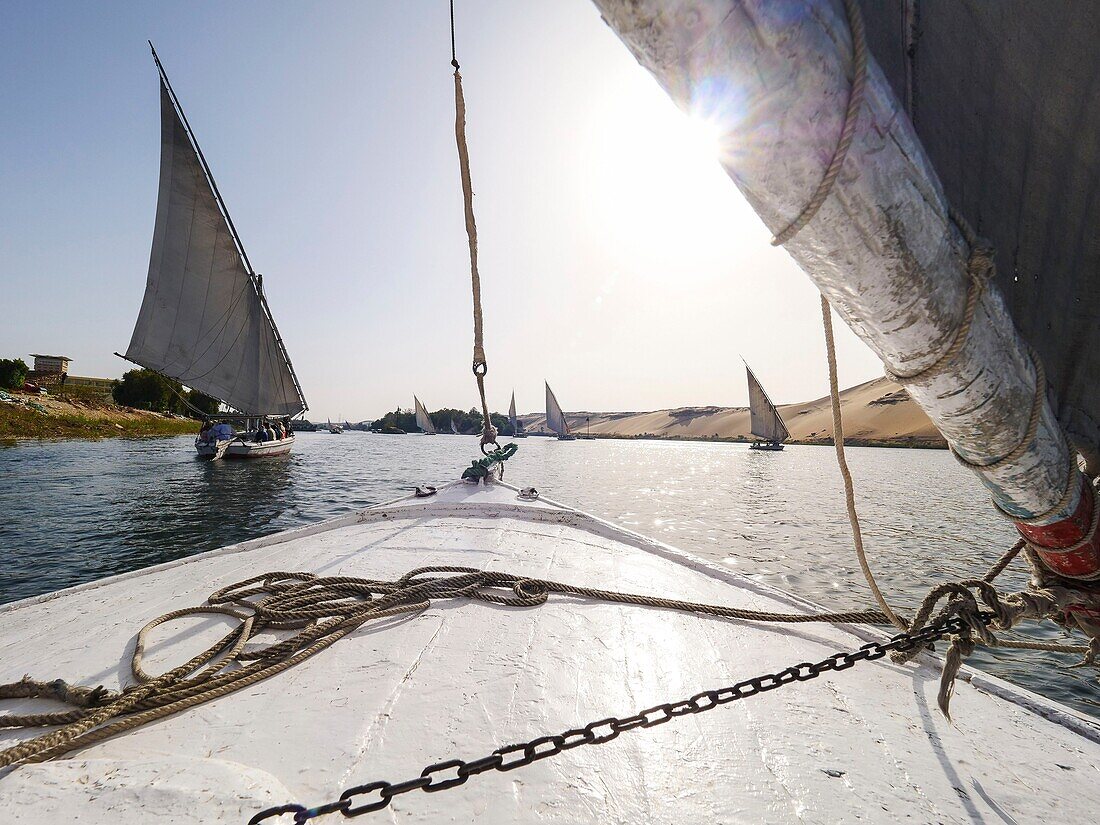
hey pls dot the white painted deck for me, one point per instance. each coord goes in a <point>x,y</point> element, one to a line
<point>464,678</point>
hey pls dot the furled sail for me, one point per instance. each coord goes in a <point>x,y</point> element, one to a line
<point>203,320</point>
<point>513,422</point>
<point>1017,149</point>
<point>766,421</point>
<point>422,419</point>
<point>555,418</point>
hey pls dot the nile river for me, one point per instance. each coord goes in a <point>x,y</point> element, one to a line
<point>73,511</point>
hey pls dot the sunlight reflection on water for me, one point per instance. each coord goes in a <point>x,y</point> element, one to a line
<point>76,511</point>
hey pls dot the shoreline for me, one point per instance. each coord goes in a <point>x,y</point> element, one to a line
<point>51,418</point>
<point>904,442</point>
<point>877,413</point>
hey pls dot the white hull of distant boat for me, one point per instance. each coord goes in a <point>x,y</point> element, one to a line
<point>259,449</point>
<point>460,679</point>
<point>238,448</point>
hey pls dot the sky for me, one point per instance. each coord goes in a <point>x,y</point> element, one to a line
<point>618,261</point>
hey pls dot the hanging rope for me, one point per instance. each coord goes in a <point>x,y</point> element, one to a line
<point>845,473</point>
<point>480,365</point>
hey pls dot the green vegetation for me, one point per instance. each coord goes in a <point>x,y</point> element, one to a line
<point>24,422</point>
<point>466,422</point>
<point>13,372</point>
<point>147,390</point>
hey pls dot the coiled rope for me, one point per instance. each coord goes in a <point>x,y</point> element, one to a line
<point>321,611</point>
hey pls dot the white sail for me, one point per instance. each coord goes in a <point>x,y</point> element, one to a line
<point>454,429</point>
<point>203,320</point>
<point>766,421</point>
<point>422,419</point>
<point>555,418</point>
<point>513,422</point>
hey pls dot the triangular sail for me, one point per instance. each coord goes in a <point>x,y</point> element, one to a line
<point>513,422</point>
<point>555,418</point>
<point>454,429</point>
<point>765,418</point>
<point>422,419</point>
<point>203,321</point>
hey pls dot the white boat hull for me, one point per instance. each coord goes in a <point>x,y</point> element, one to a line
<point>463,678</point>
<point>263,449</point>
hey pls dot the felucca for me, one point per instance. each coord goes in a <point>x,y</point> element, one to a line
<point>423,420</point>
<point>721,709</point>
<point>205,321</point>
<point>765,421</point>
<point>513,419</point>
<point>555,418</point>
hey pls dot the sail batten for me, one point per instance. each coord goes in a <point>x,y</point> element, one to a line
<point>204,320</point>
<point>764,418</point>
<point>555,418</point>
<point>423,421</point>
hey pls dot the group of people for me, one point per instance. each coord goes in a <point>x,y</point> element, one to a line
<point>268,431</point>
<point>273,431</point>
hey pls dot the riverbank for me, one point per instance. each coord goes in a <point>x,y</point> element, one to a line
<point>51,417</point>
<point>877,413</point>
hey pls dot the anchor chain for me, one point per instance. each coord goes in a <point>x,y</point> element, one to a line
<point>454,772</point>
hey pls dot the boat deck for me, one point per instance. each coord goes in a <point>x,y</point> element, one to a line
<point>463,678</point>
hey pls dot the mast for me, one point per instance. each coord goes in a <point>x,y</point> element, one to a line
<point>886,249</point>
<point>256,279</point>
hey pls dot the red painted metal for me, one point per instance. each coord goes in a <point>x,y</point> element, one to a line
<point>1047,539</point>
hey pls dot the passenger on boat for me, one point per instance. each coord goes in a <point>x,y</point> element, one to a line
<point>204,432</point>
<point>222,432</point>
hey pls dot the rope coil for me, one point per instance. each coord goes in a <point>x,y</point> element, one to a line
<point>321,610</point>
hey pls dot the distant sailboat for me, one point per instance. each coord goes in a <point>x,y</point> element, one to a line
<point>766,423</point>
<point>513,421</point>
<point>555,418</point>
<point>422,419</point>
<point>335,429</point>
<point>204,320</point>
<point>454,429</point>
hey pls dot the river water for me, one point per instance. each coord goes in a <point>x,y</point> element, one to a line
<point>73,511</point>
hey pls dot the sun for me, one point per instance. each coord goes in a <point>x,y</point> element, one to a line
<point>702,137</point>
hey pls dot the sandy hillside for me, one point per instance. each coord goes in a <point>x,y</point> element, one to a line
<point>878,411</point>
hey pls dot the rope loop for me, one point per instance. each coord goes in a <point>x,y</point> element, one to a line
<point>847,132</point>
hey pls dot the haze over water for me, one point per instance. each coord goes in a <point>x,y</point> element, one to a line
<point>77,511</point>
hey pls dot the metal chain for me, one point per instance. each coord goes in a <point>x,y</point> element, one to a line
<point>454,772</point>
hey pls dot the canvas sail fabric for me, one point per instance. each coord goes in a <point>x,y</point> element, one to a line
<point>1002,97</point>
<point>555,418</point>
<point>202,321</point>
<point>512,421</point>
<point>422,419</point>
<point>765,419</point>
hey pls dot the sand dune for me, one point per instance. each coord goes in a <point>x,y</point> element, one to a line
<point>878,412</point>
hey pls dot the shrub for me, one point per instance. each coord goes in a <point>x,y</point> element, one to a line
<point>13,373</point>
<point>146,390</point>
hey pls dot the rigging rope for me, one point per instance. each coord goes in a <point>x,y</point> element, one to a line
<point>1037,603</point>
<point>480,365</point>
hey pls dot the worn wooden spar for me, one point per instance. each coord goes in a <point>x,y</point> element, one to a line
<point>776,78</point>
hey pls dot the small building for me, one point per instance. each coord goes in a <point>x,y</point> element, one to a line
<point>51,364</point>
